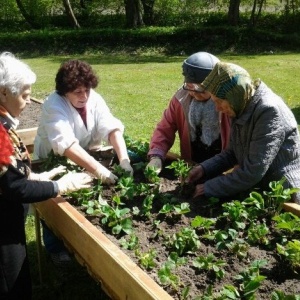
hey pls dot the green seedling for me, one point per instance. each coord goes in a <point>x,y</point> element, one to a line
<point>258,234</point>
<point>167,276</point>
<point>291,252</point>
<point>184,241</point>
<point>130,243</point>
<point>151,175</point>
<point>175,209</point>
<point>117,219</point>
<point>204,224</point>
<point>287,223</point>
<point>146,259</point>
<point>181,169</point>
<point>210,263</point>
<point>250,279</point>
<point>278,196</point>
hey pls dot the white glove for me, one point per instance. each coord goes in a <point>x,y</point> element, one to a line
<point>74,181</point>
<point>105,175</point>
<point>156,163</point>
<point>125,165</point>
<point>47,176</point>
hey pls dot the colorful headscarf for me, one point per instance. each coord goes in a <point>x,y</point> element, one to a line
<point>232,83</point>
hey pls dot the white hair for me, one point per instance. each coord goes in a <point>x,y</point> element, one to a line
<point>14,74</point>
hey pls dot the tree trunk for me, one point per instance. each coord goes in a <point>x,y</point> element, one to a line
<point>29,19</point>
<point>234,12</point>
<point>148,11</point>
<point>133,13</point>
<point>255,16</point>
<point>70,14</point>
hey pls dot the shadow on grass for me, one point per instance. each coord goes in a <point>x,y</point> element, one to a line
<point>70,283</point>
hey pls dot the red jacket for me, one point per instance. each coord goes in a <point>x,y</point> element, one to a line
<point>175,119</point>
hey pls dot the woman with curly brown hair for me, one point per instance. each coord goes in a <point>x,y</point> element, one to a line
<point>76,119</point>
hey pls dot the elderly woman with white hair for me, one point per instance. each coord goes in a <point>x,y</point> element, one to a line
<point>18,185</point>
<point>264,140</point>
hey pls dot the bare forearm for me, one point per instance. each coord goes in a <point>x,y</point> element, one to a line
<point>116,139</point>
<point>80,157</point>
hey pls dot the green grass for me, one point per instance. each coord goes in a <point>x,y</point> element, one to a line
<point>138,88</point>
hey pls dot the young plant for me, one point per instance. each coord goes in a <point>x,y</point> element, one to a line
<point>175,209</point>
<point>287,223</point>
<point>278,195</point>
<point>250,279</point>
<point>151,175</point>
<point>146,259</point>
<point>181,169</point>
<point>167,276</point>
<point>291,252</point>
<point>184,241</point>
<point>210,263</point>
<point>204,224</point>
<point>131,243</point>
<point>258,234</point>
<point>116,218</point>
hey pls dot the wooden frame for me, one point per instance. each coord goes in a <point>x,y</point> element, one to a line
<point>119,276</point>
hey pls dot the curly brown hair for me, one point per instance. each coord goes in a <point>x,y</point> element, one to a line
<point>73,74</point>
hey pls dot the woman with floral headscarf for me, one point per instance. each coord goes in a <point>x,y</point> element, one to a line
<point>264,139</point>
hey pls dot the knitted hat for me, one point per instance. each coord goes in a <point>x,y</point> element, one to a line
<point>232,83</point>
<point>197,66</point>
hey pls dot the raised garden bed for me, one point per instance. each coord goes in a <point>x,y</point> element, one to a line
<point>117,268</point>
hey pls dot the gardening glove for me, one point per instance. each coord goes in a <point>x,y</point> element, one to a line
<point>74,181</point>
<point>156,163</point>
<point>125,165</point>
<point>105,175</point>
<point>47,176</point>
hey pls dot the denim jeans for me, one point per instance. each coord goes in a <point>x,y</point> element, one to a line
<point>52,243</point>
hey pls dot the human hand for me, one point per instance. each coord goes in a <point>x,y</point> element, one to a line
<point>199,190</point>
<point>125,165</point>
<point>105,175</point>
<point>47,176</point>
<point>195,174</point>
<point>74,181</point>
<point>156,163</point>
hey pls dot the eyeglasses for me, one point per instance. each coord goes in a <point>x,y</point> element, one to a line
<point>196,88</point>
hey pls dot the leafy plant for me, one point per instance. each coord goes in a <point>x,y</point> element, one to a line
<point>130,243</point>
<point>258,234</point>
<point>278,195</point>
<point>288,223</point>
<point>291,252</point>
<point>116,218</point>
<point>146,259</point>
<point>204,224</point>
<point>181,169</point>
<point>151,175</point>
<point>210,263</point>
<point>175,209</point>
<point>166,275</point>
<point>250,279</point>
<point>185,241</point>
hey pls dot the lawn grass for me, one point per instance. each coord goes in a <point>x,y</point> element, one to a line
<point>138,88</point>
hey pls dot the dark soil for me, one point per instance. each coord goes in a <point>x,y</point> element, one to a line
<point>278,274</point>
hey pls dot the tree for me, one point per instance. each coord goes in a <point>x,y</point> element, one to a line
<point>29,19</point>
<point>148,11</point>
<point>70,14</point>
<point>133,13</point>
<point>254,17</point>
<point>234,12</point>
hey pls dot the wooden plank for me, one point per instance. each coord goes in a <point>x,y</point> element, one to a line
<point>292,207</point>
<point>27,135</point>
<point>121,278</point>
